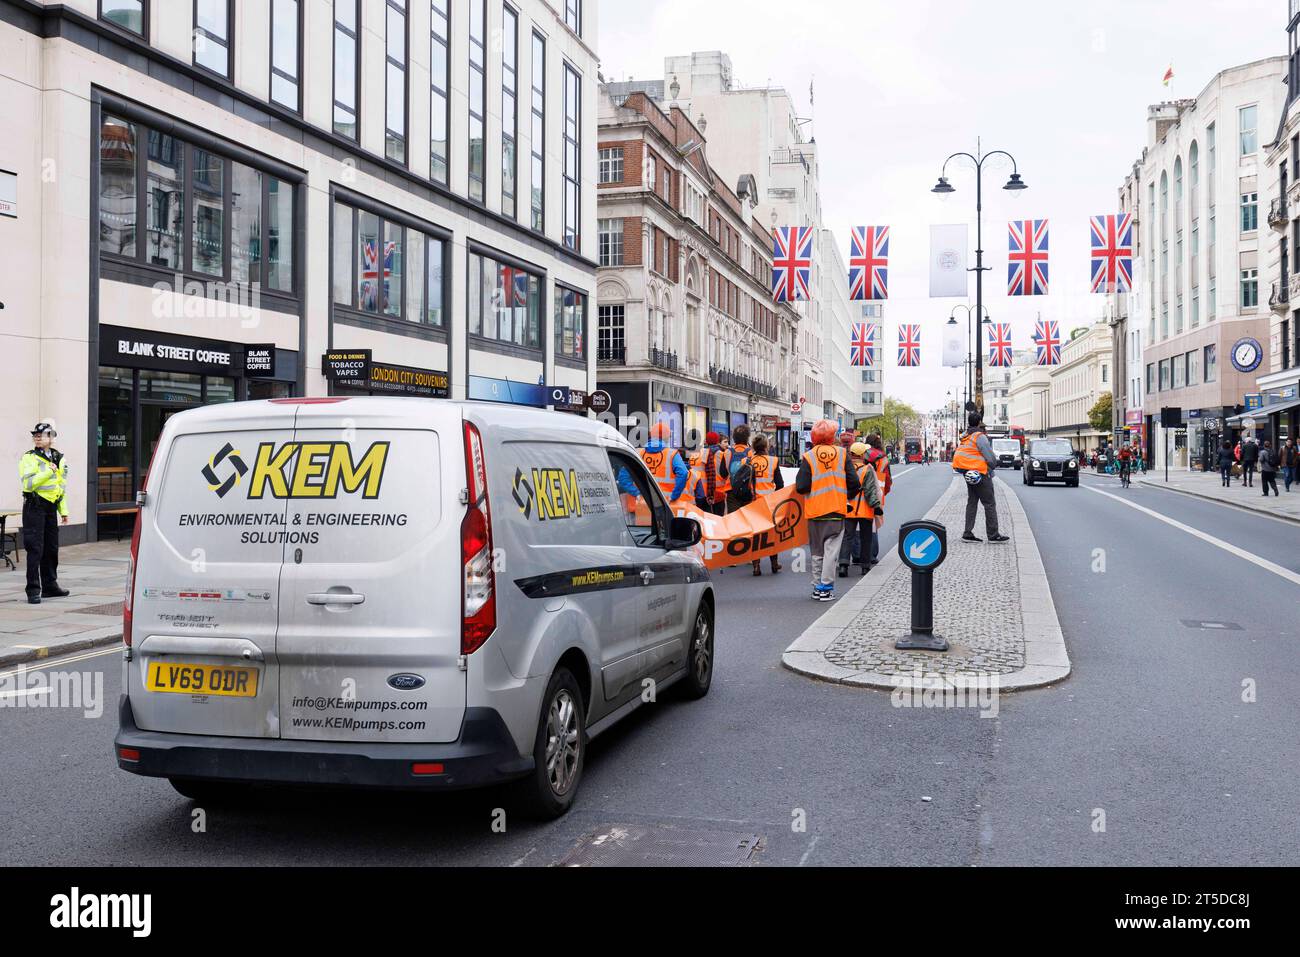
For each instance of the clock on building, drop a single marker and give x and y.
(1246, 355)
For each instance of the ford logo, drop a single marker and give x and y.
(405, 682)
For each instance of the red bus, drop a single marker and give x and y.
(913, 448)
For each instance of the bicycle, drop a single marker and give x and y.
(1125, 475)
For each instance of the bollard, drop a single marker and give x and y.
(923, 546)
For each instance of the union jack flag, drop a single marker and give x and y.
(1047, 339)
(791, 263)
(862, 345)
(370, 274)
(1027, 258)
(513, 288)
(999, 343)
(869, 263)
(1112, 253)
(909, 344)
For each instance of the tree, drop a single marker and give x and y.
(1100, 414)
(899, 419)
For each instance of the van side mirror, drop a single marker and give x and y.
(683, 533)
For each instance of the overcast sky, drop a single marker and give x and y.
(901, 84)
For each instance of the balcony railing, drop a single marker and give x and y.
(1280, 296)
(1277, 217)
(611, 355)
(744, 383)
(663, 360)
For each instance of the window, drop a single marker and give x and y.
(573, 15)
(286, 31)
(1193, 368)
(1180, 371)
(1105, 375)
(385, 268)
(213, 20)
(539, 135)
(509, 112)
(477, 95)
(1249, 288)
(570, 323)
(1164, 374)
(127, 14)
(1211, 363)
(1247, 121)
(439, 84)
(572, 157)
(610, 233)
(505, 302)
(1196, 306)
(239, 219)
(347, 66)
(609, 334)
(1150, 378)
(395, 80)
(611, 165)
(1249, 212)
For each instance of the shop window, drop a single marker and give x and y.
(279, 235)
(400, 277)
(165, 222)
(245, 224)
(504, 302)
(208, 204)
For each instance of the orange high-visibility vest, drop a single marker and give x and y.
(660, 465)
(764, 467)
(694, 479)
(829, 494)
(967, 457)
(882, 473)
(858, 507)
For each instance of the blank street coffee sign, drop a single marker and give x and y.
(259, 360)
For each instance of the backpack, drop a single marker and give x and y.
(741, 472)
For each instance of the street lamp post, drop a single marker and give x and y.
(943, 186)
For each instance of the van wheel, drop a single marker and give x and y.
(197, 789)
(559, 750)
(699, 656)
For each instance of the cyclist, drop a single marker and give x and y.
(1125, 465)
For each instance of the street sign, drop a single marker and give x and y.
(1254, 400)
(922, 546)
(565, 399)
(599, 401)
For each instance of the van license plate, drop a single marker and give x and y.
(180, 678)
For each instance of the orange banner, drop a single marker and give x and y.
(770, 524)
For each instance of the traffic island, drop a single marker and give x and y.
(991, 602)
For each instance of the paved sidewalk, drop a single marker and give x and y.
(992, 603)
(92, 615)
(1208, 485)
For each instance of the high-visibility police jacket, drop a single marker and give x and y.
(661, 465)
(764, 467)
(968, 457)
(46, 477)
(828, 492)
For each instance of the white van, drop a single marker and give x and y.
(395, 592)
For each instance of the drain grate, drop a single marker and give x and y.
(664, 845)
(1211, 625)
(112, 608)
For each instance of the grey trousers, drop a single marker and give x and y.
(824, 536)
(977, 495)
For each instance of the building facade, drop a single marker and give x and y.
(1202, 232)
(1029, 399)
(1077, 383)
(842, 401)
(872, 384)
(686, 328)
(221, 199)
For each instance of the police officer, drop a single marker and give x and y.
(43, 474)
(974, 457)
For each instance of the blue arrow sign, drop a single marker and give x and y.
(922, 547)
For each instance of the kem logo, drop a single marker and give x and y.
(316, 470)
(552, 492)
(238, 470)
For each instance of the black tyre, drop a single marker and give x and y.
(559, 751)
(1029, 481)
(213, 792)
(699, 656)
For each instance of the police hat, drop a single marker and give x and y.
(42, 427)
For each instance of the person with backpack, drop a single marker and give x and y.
(827, 482)
(712, 493)
(767, 479)
(862, 509)
(1268, 469)
(736, 471)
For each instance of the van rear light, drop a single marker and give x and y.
(128, 599)
(478, 600)
(426, 767)
(128, 754)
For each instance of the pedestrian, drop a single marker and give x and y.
(879, 461)
(1249, 461)
(974, 457)
(1227, 457)
(43, 474)
(827, 482)
(1289, 457)
(736, 472)
(665, 463)
(767, 479)
(1268, 468)
(715, 492)
(862, 509)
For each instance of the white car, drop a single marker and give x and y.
(400, 593)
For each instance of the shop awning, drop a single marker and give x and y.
(1263, 412)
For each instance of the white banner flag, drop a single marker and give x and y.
(948, 261)
(954, 344)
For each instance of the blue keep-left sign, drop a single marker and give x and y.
(923, 545)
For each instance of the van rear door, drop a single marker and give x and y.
(369, 641)
(207, 579)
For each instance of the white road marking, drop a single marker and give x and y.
(50, 662)
(1216, 542)
(811, 844)
(904, 472)
(25, 693)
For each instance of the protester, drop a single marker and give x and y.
(1227, 458)
(736, 472)
(767, 479)
(827, 482)
(714, 498)
(862, 509)
(878, 460)
(1289, 457)
(1268, 468)
(665, 463)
